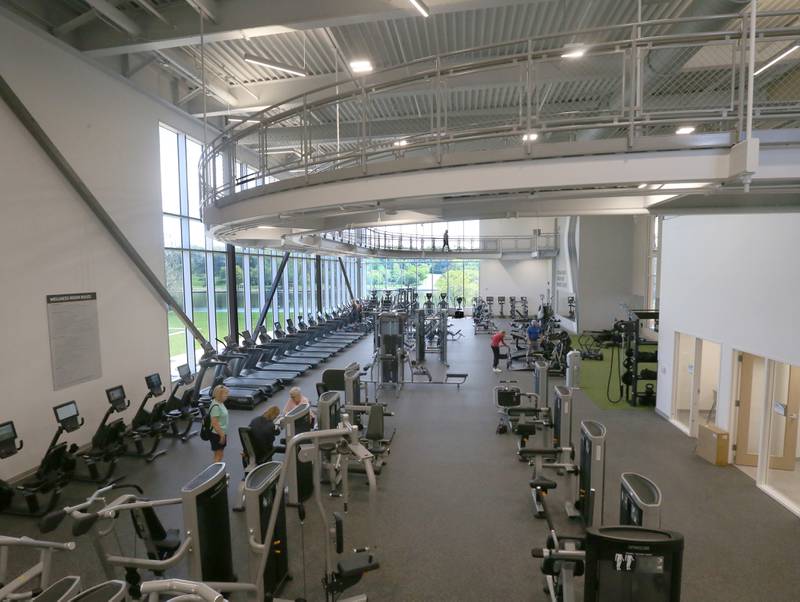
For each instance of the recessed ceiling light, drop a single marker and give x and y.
(641, 186)
(361, 66)
(265, 227)
(420, 6)
(530, 137)
(400, 143)
(781, 56)
(264, 61)
(685, 129)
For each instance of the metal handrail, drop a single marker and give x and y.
(377, 239)
(633, 114)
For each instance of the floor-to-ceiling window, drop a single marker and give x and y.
(454, 277)
(196, 268)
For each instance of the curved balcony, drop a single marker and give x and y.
(621, 89)
(375, 242)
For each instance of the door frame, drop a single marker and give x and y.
(693, 425)
(742, 410)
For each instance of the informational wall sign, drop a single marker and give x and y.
(561, 278)
(74, 338)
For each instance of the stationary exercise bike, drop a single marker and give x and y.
(42, 490)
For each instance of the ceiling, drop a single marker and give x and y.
(139, 37)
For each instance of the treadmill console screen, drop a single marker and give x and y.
(185, 373)
(8, 439)
(116, 397)
(65, 411)
(7, 432)
(153, 382)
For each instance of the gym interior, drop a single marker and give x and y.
(400, 300)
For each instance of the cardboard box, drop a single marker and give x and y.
(712, 444)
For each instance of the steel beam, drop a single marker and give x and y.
(238, 19)
(346, 279)
(116, 16)
(233, 300)
(318, 280)
(20, 110)
(271, 294)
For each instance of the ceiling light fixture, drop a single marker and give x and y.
(361, 66)
(684, 185)
(780, 57)
(574, 53)
(242, 120)
(271, 64)
(420, 6)
(530, 137)
(641, 186)
(400, 143)
(685, 129)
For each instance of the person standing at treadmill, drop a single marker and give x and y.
(219, 421)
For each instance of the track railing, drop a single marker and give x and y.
(631, 81)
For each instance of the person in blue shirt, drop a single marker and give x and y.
(533, 334)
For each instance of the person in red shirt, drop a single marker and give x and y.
(498, 339)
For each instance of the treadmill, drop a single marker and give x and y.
(314, 339)
(235, 378)
(275, 354)
(336, 325)
(252, 364)
(241, 397)
(296, 347)
(325, 334)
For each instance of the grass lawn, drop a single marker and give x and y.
(177, 333)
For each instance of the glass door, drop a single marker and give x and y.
(683, 391)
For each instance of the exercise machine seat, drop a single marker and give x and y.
(543, 483)
(355, 565)
(166, 541)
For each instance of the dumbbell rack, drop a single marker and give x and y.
(634, 396)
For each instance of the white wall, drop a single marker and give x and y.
(605, 260)
(524, 277)
(50, 243)
(732, 279)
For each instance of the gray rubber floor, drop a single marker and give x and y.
(454, 518)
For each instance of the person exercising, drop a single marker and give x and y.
(219, 421)
(498, 339)
(533, 333)
(296, 398)
(263, 432)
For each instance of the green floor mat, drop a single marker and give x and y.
(594, 381)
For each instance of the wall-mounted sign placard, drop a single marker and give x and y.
(74, 338)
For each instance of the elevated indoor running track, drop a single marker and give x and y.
(378, 242)
(527, 128)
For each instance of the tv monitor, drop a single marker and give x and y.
(116, 397)
(65, 411)
(153, 382)
(630, 564)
